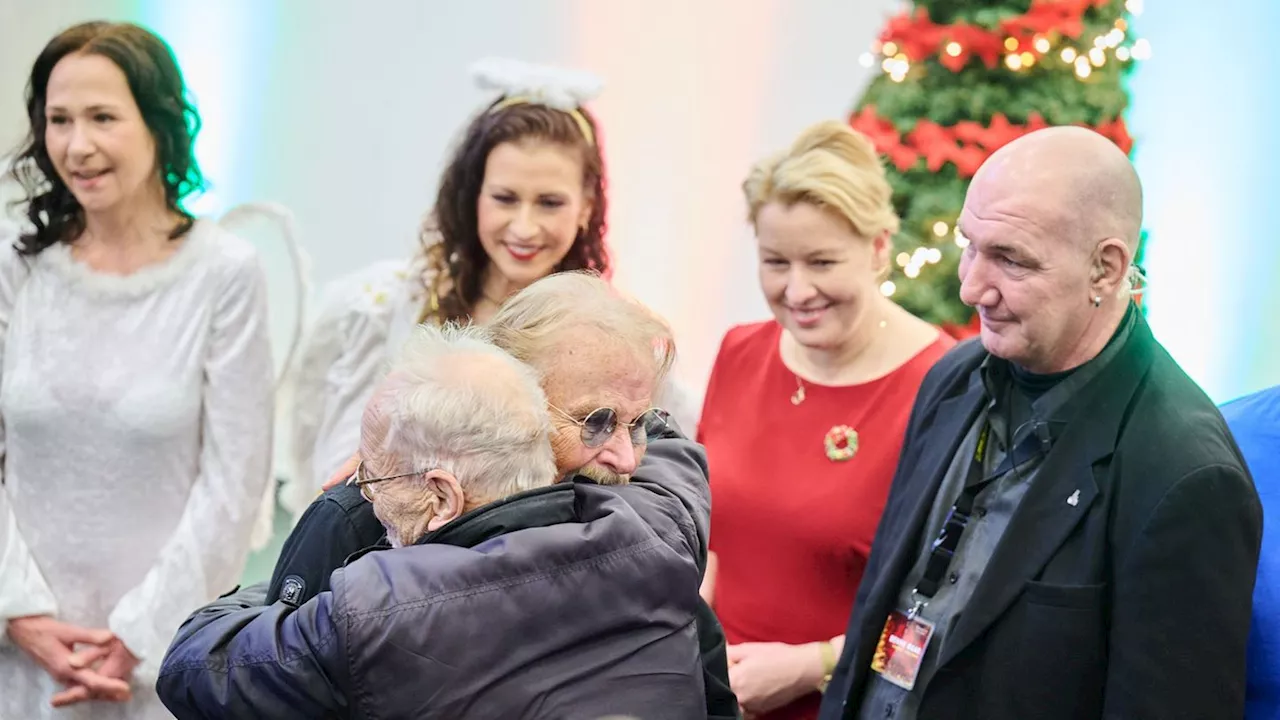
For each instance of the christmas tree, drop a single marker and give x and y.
(960, 79)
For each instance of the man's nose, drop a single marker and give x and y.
(975, 289)
(618, 453)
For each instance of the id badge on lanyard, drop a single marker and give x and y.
(900, 652)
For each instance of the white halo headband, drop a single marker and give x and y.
(525, 83)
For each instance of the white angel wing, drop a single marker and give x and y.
(277, 244)
(287, 323)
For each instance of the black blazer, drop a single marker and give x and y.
(1132, 603)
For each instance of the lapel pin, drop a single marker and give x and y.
(1074, 500)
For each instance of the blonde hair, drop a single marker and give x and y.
(833, 167)
(531, 324)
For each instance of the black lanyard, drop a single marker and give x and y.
(943, 549)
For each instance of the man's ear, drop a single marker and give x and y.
(1110, 267)
(450, 499)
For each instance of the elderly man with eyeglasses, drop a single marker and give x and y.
(506, 594)
(601, 358)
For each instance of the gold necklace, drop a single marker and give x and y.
(799, 395)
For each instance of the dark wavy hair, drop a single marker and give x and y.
(157, 86)
(449, 236)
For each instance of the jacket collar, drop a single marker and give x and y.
(540, 507)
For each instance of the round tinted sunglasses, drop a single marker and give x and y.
(600, 424)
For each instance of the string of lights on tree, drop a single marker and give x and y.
(960, 81)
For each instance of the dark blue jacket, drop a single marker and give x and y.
(1255, 422)
(340, 524)
(566, 601)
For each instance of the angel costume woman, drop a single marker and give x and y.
(523, 197)
(136, 394)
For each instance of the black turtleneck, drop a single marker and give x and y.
(1033, 385)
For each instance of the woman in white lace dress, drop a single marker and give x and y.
(135, 399)
(522, 197)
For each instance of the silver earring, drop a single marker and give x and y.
(1097, 301)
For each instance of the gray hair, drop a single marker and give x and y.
(532, 322)
(454, 401)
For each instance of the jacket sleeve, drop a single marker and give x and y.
(208, 548)
(672, 479)
(320, 543)
(236, 658)
(1182, 602)
(722, 703)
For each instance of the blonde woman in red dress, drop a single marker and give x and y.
(804, 417)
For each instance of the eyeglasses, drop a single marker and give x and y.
(359, 480)
(600, 424)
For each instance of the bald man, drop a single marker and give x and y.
(1071, 532)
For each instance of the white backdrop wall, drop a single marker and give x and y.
(344, 112)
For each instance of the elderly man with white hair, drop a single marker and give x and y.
(602, 358)
(505, 594)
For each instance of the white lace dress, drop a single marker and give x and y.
(363, 320)
(135, 424)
